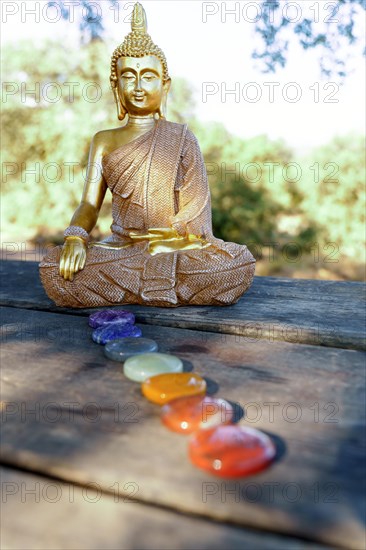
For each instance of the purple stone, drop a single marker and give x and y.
(104, 317)
(114, 331)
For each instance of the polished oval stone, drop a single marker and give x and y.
(120, 350)
(188, 414)
(163, 388)
(104, 317)
(148, 365)
(231, 451)
(114, 331)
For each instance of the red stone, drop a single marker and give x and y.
(231, 451)
(188, 414)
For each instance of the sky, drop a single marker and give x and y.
(212, 49)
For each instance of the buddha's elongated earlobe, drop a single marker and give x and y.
(121, 112)
(163, 105)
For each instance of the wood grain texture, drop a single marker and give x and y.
(320, 313)
(44, 514)
(69, 412)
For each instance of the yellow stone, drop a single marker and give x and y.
(163, 388)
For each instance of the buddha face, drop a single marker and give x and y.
(140, 85)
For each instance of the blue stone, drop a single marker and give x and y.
(120, 350)
(107, 316)
(114, 331)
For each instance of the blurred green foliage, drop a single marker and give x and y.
(258, 196)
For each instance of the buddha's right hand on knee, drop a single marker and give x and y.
(73, 257)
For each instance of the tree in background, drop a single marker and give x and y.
(328, 27)
(49, 131)
(333, 196)
(90, 23)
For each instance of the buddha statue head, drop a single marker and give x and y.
(139, 72)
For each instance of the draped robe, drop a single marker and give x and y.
(158, 180)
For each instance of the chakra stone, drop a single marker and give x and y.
(120, 350)
(163, 388)
(141, 367)
(104, 317)
(188, 414)
(231, 451)
(114, 331)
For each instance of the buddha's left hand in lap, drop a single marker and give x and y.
(73, 257)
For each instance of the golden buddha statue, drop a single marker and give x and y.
(161, 251)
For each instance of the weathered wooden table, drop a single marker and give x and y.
(86, 463)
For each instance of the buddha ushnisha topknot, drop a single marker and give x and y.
(137, 43)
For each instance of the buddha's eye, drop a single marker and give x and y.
(148, 77)
(128, 76)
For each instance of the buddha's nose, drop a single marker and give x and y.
(138, 87)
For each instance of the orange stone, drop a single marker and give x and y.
(163, 388)
(188, 414)
(231, 451)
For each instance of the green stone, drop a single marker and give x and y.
(142, 367)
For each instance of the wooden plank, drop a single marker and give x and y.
(69, 412)
(45, 514)
(326, 313)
